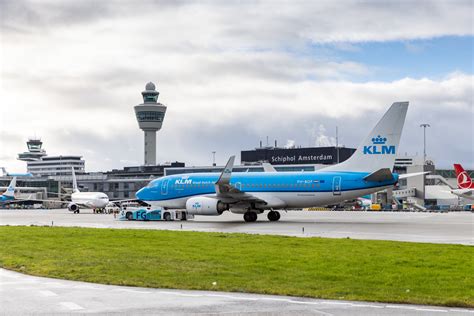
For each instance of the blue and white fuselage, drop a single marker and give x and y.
(5, 199)
(367, 171)
(272, 190)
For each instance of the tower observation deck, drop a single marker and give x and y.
(150, 115)
(35, 152)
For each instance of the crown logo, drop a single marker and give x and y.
(379, 140)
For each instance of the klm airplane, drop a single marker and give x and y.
(9, 195)
(367, 171)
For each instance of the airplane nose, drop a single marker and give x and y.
(140, 194)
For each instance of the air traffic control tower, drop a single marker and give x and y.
(150, 115)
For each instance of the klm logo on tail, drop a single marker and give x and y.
(379, 147)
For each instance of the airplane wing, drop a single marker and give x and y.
(230, 194)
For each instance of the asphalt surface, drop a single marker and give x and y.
(451, 228)
(24, 294)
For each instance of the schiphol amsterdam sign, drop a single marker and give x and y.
(297, 159)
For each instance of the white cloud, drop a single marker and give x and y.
(230, 74)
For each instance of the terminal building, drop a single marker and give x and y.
(39, 164)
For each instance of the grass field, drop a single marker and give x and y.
(382, 271)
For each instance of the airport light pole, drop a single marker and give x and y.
(337, 144)
(213, 158)
(424, 125)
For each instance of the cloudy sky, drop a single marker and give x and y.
(232, 73)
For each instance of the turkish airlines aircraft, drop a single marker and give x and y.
(465, 184)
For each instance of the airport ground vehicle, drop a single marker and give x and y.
(152, 214)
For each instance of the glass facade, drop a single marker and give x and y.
(150, 116)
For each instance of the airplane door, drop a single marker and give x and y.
(238, 185)
(164, 187)
(336, 185)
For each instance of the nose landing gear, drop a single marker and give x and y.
(273, 216)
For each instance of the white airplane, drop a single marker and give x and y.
(465, 185)
(85, 199)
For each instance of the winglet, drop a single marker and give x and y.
(227, 172)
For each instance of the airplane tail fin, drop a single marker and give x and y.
(74, 182)
(464, 180)
(10, 192)
(379, 148)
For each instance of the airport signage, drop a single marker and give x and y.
(296, 156)
(300, 159)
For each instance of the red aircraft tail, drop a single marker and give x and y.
(464, 180)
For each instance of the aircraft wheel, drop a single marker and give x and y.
(167, 216)
(129, 216)
(273, 216)
(250, 217)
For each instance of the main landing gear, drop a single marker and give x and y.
(250, 216)
(273, 216)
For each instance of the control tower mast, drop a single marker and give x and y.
(150, 115)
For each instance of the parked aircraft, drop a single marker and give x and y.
(10, 174)
(465, 184)
(85, 199)
(367, 171)
(9, 195)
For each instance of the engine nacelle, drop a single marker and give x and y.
(72, 207)
(205, 206)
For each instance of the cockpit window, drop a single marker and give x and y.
(151, 184)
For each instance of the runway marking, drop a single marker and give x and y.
(134, 291)
(181, 294)
(48, 293)
(462, 311)
(18, 282)
(399, 307)
(431, 310)
(71, 306)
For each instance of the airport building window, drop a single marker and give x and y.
(150, 116)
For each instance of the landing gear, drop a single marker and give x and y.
(273, 216)
(250, 216)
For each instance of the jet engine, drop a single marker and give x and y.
(205, 206)
(73, 207)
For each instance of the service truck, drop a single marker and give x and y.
(143, 213)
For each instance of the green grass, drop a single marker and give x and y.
(382, 271)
